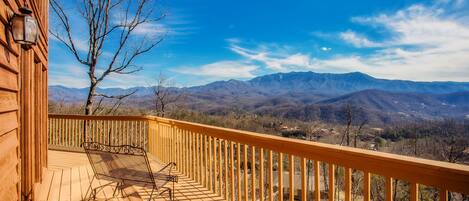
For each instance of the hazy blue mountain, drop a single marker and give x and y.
(309, 96)
(328, 83)
(407, 104)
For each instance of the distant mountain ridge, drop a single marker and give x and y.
(282, 94)
(351, 82)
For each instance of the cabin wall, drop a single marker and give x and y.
(23, 106)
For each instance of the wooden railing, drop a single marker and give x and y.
(67, 132)
(241, 165)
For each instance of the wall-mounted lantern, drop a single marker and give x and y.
(24, 28)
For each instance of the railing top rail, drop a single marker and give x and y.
(91, 117)
(430, 172)
(454, 177)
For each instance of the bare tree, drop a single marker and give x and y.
(453, 141)
(352, 121)
(164, 95)
(349, 114)
(112, 27)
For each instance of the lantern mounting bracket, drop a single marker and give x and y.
(25, 10)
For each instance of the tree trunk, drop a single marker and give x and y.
(89, 100)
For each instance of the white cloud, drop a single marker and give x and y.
(67, 75)
(80, 43)
(222, 69)
(151, 29)
(326, 49)
(75, 75)
(277, 61)
(357, 40)
(425, 44)
(422, 43)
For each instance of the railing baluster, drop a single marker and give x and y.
(317, 189)
(190, 152)
(215, 162)
(66, 128)
(72, 133)
(238, 169)
(291, 170)
(179, 145)
(199, 157)
(271, 176)
(280, 175)
(261, 174)
(77, 133)
(366, 186)
(443, 195)
(304, 188)
(245, 170)
(232, 182)
(331, 193)
(66, 132)
(414, 191)
(131, 133)
(226, 168)
(389, 190)
(182, 150)
(210, 164)
(220, 169)
(194, 155)
(253, 173)
(206, 181)
(50, 131)
(348, 184)
(187, 155)
(69, 132)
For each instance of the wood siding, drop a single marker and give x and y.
(23, 106)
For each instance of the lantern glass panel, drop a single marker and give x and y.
(17, 27)
(31, 30)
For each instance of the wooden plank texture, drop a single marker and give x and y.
(9, 80)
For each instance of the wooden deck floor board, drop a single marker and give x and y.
(65, 186)
(75, 193)
(45, 187)
(69, 174)
(54, 191)
(84, 180)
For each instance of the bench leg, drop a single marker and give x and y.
(118, 188)
(172, 197)
(151, 194)
(89, 188)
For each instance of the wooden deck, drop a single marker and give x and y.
(68, 177)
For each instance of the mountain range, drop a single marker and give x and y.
(309, 96)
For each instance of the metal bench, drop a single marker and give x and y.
(127, 166)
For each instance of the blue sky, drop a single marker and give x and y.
(220, 40)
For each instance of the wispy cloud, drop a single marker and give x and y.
(422, 43)
(425, 44)
(326, 49)
(75, 75)
(276, 61)
(357, 40)
(67, 75)
(221, 69)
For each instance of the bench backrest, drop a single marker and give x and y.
(121, 163)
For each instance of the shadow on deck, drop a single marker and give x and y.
(68, 177)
